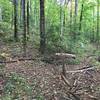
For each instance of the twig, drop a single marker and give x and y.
(74, 95)
(92, 97)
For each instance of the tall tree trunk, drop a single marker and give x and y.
(71, 16)
(64, 21)
(76, 13)
(76, 9)
(65, 16)
(35, 14)
(98, 4)
(21, 12)
(75, 18)
(61, 20)
(81, 17)
(93, 39)
(15, 20)
(12, 16)
(28, 17)
(12, 19)
(0, 14)
(42, 27)
(30, 13)
(24, 23)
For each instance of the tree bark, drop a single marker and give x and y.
(98, 22)
(71, 16)
(0, 13)
(75, 19)
(24, 24)
(76, 13)
(28, 17)
(61, 20)
(15, 20)
(76, 8)
(42, 27)
(81, 17)
(93, 37)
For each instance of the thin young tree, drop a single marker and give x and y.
(28, 17)
(0, 13)
(21, 13)
(15, 19)
(71, 7)
(76, 13)
(76, 10)
(35, 13)
(97, 35)
(75, 18)
(81, 17)
(60, 19)
(93, 13)
(24, 26)
(42, 27)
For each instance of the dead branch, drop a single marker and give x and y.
(93, 97)
(74, 95)
(65, 80)
(65, 55)
(79, 71)
(20, 59)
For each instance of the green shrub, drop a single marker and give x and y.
(4, 28)
(16, 87)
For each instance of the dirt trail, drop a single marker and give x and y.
(45, 78)
(48, 82)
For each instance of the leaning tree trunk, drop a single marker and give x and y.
(42, 27)
(15, 19)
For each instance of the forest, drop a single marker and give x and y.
(49, 49)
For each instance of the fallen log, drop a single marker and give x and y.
(20, 59)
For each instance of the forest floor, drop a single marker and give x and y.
(82, 82)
